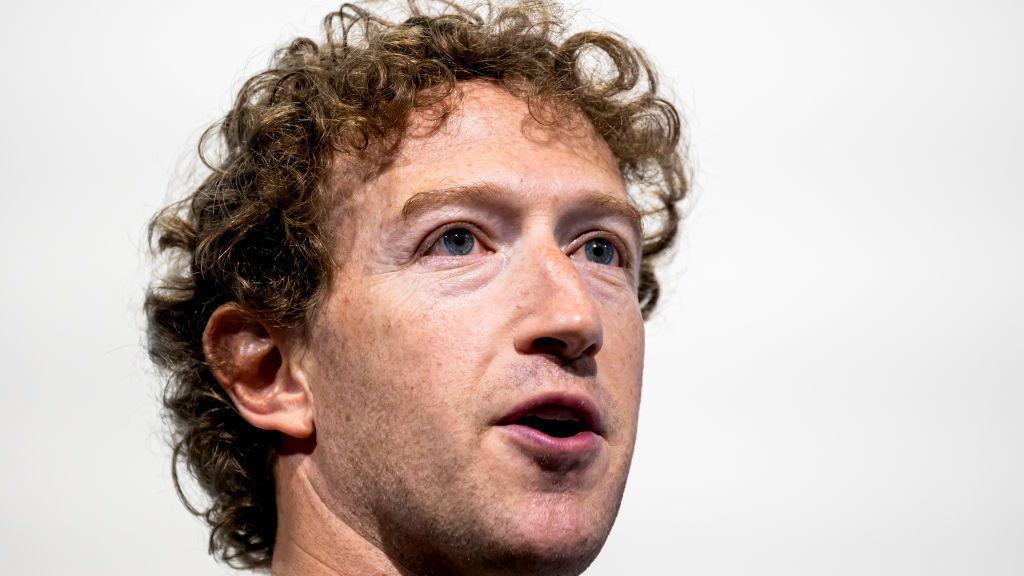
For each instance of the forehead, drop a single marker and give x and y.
(491, 137)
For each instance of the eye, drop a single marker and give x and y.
(600, 251)
(454, 242)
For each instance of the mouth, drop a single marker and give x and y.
(554, 421)
(555, 425)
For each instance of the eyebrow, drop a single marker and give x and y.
(486, 193)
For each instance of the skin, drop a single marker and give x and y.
(392, 462)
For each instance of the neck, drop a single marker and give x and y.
(313, 541)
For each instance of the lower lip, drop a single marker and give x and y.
(544, 445)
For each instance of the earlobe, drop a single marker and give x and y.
(252, 363)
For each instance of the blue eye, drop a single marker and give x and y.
(599, 250)
(458, 241)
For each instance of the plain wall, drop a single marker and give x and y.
(834, 380)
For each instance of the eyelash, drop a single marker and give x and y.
(625, 260)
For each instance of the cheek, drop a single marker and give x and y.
(622, 359)
(399, 363)
(446, 354)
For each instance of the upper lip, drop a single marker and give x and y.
(585, 407)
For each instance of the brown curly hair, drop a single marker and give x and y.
(254, 231)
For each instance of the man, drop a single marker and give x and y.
(403, 318)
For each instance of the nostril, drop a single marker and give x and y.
(591, 350)
(548, 344)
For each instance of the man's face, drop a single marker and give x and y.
(476, 369)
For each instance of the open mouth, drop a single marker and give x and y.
(562, 431)
(554, 420)
(556, 416)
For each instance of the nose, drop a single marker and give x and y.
(559, 316)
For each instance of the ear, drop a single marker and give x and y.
(251, 362)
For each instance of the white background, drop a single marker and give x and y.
(834, 382)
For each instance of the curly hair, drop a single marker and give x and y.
(254, 231)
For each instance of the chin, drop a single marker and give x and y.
(552, 538)
(539, 542)
(562, 558)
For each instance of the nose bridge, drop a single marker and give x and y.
(559, 314)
